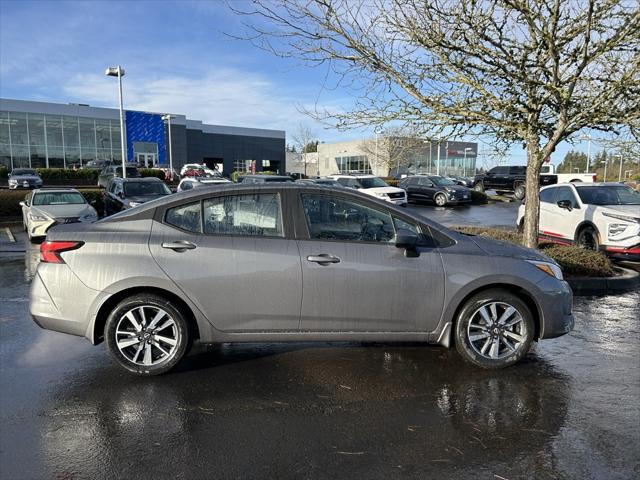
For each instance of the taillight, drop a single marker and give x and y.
(50, 251)
(595, 178)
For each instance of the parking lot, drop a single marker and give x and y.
(321, 410)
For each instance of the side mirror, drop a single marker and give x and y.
(566, 204)
(408, 240)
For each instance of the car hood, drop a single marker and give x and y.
(497, 248)
(58, 211)
(457, 188)
(22, 178)
(383, 190)
(632, 210)
(145, 198)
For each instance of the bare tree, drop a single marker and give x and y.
(305, 140)
(533, 72)
(393, 147)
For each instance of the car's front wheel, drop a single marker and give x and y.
(479, 187)
(440, 199)
(494, 329)
(588, 238)
(147, 334)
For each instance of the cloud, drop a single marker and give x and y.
(225, 97)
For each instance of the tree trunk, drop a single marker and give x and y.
(532, 198)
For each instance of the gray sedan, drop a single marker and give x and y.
(24, 178)
(291, 262)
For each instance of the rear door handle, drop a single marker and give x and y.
(179, 246)
(323, 259)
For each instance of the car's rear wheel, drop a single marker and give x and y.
(479, 187)
(519, 192)
(494, 329)
(588, 238)
(440, 199)
(147, 334)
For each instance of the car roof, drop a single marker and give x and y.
(265, 176)
(136, 179)
(55, 190)
(586, 185)
(354, 175)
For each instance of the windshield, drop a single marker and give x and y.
(23, 171)
(141, 189)
(58, 198)
(441, 181)
(372, 182)
(608, 195)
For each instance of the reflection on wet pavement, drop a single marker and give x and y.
(321, 410)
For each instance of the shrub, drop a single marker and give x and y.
(152, 172)
(478, 198)
(236, 174)
(10, 201)
(68, 174)
(574, 261)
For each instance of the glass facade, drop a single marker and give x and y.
(354, 164)
(37, 140)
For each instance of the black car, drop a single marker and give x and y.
(432, 188)
(125, 193)
(245, 179)
(112, 171)
(24, 178)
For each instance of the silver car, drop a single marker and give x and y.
(42, 209)
(291, 262)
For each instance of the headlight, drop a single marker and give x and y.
(37, 218)
(134, 204)
(616, 229)
(13, 182)
(625, 218)
(450, 190)
(381, 195)
(548, 268)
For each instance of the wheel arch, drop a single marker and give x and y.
(520, 292)
(109, 304)
(582, 225)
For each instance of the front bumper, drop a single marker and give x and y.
(631, 254)
(555, 304)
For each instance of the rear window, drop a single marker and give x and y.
(58, 198)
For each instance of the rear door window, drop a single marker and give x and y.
(247, 215)
(186, 217)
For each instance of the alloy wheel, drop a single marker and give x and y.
(147, 335)
(496, 331)
(440, 200)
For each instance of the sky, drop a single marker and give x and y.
(177, 59)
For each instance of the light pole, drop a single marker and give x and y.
(438, 158)
(606, 161)
(464, 165)
(619, 174)
(587, 137)
(119, 72)
(377, 130)
(168, 118)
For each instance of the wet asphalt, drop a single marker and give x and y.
(320, 410)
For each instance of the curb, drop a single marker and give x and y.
(583, 286)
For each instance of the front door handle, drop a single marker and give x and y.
(179, 246)
(323, 259)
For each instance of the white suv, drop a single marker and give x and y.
(374, 186)
(598, 216)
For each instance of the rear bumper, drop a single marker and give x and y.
(556, 308)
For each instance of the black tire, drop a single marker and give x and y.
(440, 199)
(519, 192)
(476, 351)
(588, 238)
(479, 187)
(178, 332)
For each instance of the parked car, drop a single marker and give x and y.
(511, 179)
(372, 185)
(187, 183)
(42, 209)
(246, 179)
(196, 169)
(97, 164)
(24, 178)
(462, 181)
(258, 263)
(113, 171)
(597, 216)
(432, 188)
(125, 193)
(324, 182)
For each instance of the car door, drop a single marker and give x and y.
(234, 257)
(565, 221)
(548, 222)
(355, 278)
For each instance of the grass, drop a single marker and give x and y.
(574, 261)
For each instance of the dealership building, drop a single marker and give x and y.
(446, 158)
(53, 135)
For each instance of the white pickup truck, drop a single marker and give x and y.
(548, 169)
